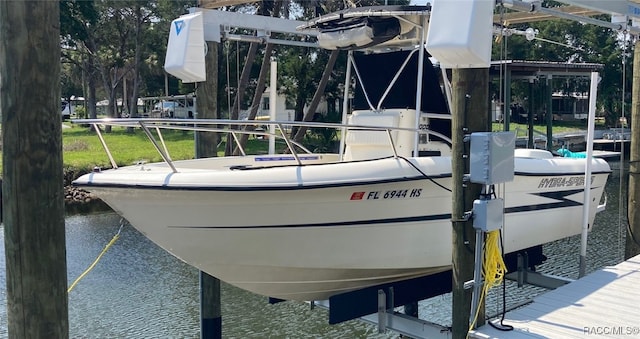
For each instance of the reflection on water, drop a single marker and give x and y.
(140, 291)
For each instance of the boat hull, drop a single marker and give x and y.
(335, 227)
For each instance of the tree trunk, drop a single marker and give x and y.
(242, 86)
(133, 101)
(90, 63)
(257, 96)
(311, 110)
(91, 95)
(133, 105)
(34, 225)
(262, 78)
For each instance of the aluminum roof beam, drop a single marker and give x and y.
(622, 7)
(526, 17)
(223, 3)
(218, 25)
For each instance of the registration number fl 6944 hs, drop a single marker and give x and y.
(390, 194)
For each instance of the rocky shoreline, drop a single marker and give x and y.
(74, 195)
(77, 200)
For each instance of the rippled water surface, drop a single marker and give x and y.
(140, 291)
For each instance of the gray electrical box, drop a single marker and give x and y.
(491, 158)
(487, 214)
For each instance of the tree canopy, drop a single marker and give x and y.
(115, 50)
(561, 40)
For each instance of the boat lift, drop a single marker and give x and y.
(219, 25)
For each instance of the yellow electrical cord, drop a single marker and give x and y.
(493, 268)
(113, 240)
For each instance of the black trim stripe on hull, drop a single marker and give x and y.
(331, 224)
(560, 196)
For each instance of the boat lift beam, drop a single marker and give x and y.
(613, 7)
(218, 25)
(524, 275)
(399, 323)
(622, 7)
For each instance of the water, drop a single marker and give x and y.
(140, 291)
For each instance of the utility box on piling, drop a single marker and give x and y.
(491, 158)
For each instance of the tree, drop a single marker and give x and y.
(116, 43)
(75, 18)
(578, 42)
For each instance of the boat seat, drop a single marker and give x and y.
(368, 144)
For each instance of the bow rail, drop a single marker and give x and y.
(232, 127)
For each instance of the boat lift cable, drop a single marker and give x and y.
(506, 112)
(228, 77)
(95, 262)
(621, 169)
(503, 56)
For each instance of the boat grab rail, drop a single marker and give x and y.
(214, 125)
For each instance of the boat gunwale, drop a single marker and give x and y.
(173, 187)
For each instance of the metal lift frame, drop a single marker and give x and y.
(218, 26)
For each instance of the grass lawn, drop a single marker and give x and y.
(82, 148)
(558, 127)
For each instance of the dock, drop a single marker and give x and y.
(611, 145)
(603, 304)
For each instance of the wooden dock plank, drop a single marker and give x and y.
(603, 304)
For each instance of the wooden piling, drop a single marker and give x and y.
(470, 113)
(210, 307)
(32, 185)
(207, 103)
(632, 247)
(206, 146)
(549, 116)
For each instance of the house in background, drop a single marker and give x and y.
(285, 109)
(103, 105)
(570, 106)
